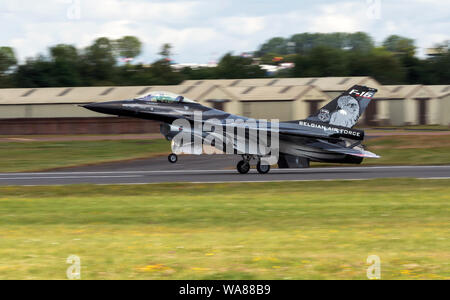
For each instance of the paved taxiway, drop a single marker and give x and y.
(208, 169)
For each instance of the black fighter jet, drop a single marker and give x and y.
(327, 136)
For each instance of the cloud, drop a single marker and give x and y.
(343, 17)
(242, 25)
(202, 31)
(138, 10)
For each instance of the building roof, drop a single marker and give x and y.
(410, 91)
(240, 89)
(440, 91)
(66, 95)
(79, 95)
(218, 82)
(324, 83)
(329, 84)
(270, 93)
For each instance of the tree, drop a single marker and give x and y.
(166, 51)
(129, 47)
(359, 63)
(36, 72)
(400, 45)
(305, 42)
(234, 67)
(321, 61)
(360, 41)
(199, 73)
(274, 45)
(98, 62)
(268, 58)
(413, 68)
(65, 65)
(438, 69)
(64, 52)
(135, 75)
(7, 59)
(164, 74)
(332, 54)
(385, 67)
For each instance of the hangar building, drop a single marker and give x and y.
(56, 110)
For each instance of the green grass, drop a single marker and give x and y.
(313, 230)
(435, 156)
(33, 156)
(410, 150)
(414, 127)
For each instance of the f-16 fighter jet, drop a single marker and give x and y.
(327, 136)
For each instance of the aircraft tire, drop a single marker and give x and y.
(173, 158)
(262, 169)
(243, 167)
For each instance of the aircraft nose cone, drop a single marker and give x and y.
(103, 107)
(89, 106)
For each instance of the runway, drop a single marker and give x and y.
(209, 170)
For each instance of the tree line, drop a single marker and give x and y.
(345, 54)
(110, 62)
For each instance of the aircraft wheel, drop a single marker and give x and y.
(262, 169)
(173, 158)
(243, 167)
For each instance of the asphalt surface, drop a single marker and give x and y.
(202, 169)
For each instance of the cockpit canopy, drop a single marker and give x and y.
(164, 97)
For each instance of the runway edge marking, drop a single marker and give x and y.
(221, 182)
(224, 170)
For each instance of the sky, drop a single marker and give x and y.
(201, 31)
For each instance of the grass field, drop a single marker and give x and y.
(410, 127)
(407, 150)
(310, 230)
(35, 156)
(410, 150)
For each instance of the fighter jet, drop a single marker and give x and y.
(327, 136)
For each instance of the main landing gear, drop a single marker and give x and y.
(243, 166)
(173, 158)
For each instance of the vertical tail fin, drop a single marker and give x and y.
(346, 109)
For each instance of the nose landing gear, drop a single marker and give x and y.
(173, 158)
